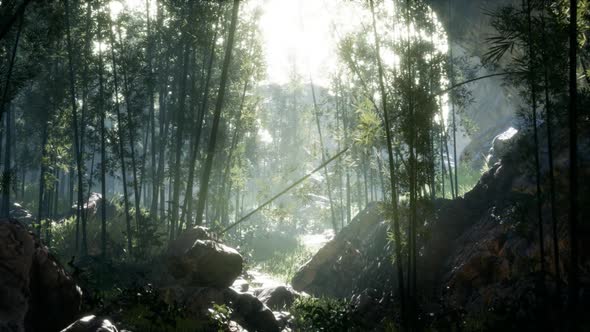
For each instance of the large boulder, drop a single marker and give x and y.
(334, 268)
(203, 263)
(16, 258)
(21, 214)
(187, 238)
(36, 293)
(55, 298)
(253, 314)
(91, 323)
(500, 145)
(277, 298)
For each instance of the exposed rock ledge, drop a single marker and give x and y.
(476, 252)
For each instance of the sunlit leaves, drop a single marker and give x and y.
(369, 129)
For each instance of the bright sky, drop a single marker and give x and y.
(298, 34)
(305, 32)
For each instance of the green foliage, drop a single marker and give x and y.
(145, 310)
(321, 314)
(369, 130)
(283, 265)
(467, 178)
(220, 314)
(148, 239)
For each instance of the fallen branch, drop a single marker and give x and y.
(336, 156)
(474, 80)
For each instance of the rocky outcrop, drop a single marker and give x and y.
(203, 269)
(334, 269)
(476, 253)
(21, 214)
(187, 239)
(36, 294)
(91, 323)
(493, 105)
(500, 146)
(204, 263)
(277, 298)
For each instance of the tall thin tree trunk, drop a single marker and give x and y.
(442, 159)
(454, 192)
(389, 140)
(152, 108)
(131, 131)
(186, 64)
(77, 150)
(121, 142)
(11, 65)
(573, 123)
(549, 127)
(348, 188)
(204, 185)
(81, 149)
(164, 129)
(199, 128)
(536, 138)
(413, 182)
(103, 152)
(42, 181)
(7, 175)
(53, 208)
(233, 145)
(452, 80)
(323, 151)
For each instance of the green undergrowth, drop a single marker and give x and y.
(148, 237)
(467, 178)
(321, 314)
(284, 264)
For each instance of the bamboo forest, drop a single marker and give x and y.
(294, 165)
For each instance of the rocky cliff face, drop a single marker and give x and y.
(477, 253)
(494, 105)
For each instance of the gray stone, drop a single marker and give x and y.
(277, 298)
(254, 315)
(91, 323)
(206, 264)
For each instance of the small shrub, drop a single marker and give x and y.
(143, 309)
(321, 314)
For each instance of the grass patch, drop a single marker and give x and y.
(284, 265)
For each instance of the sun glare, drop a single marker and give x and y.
(116, 7)
(301, 36)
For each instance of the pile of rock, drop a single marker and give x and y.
(36, 293)
(201, 271)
